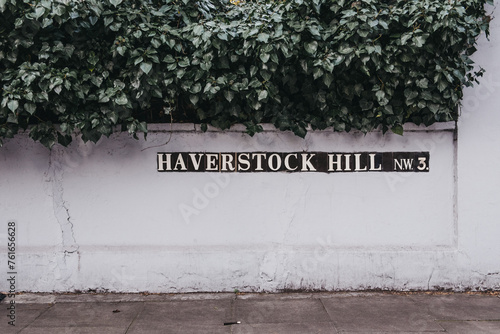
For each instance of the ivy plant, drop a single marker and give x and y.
(70, 67)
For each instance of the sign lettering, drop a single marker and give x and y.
(292, 162)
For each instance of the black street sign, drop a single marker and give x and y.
(292, 162)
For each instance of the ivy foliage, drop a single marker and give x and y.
(87, 66)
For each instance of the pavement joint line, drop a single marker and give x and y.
(332, 322)
(136, 316)
(41, 313)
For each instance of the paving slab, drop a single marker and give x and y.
(25, 315)
(471, 327)
(87, 315)
(252, 311)
(460, 306)
(385, 313)
(173, 315)
(292, 328)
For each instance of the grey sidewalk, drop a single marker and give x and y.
(258, 313)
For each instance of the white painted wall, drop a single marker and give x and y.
(101, 216)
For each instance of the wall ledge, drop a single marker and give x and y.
(191, 127)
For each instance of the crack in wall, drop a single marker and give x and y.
(61, 211)
(486, 276)
(65, 262)
(429, 280)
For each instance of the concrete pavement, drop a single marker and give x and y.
(291, 313)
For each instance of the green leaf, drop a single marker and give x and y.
(311, 47)
(253, 31)
(180, 73)
(423, 83)
(121, 100)
(169, 59)
(222, 36)
(13, 105)
(327, 79)
(194, 99)
(30, 108)
(146, 67)
(39, 11)
(229, 95)
(338, 60)
(12, 118)
(405, 38)
(47, 22)
(262, 95)
(434, 108)
(264, 57)
(64, 140)
(184, 62)
(108, 20)
(420, 40)
(198, 30)
(317, 73)
(380, 95)
(397, 129)
(314, 30)
(410, 94)
(143, 127)
(113, 116)
(263, 37)
(255, 83)
(442, 85)
(138, 60)
(196, 88)
(253, 70)
(121, 50)
(345, 49)
(115, 2)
